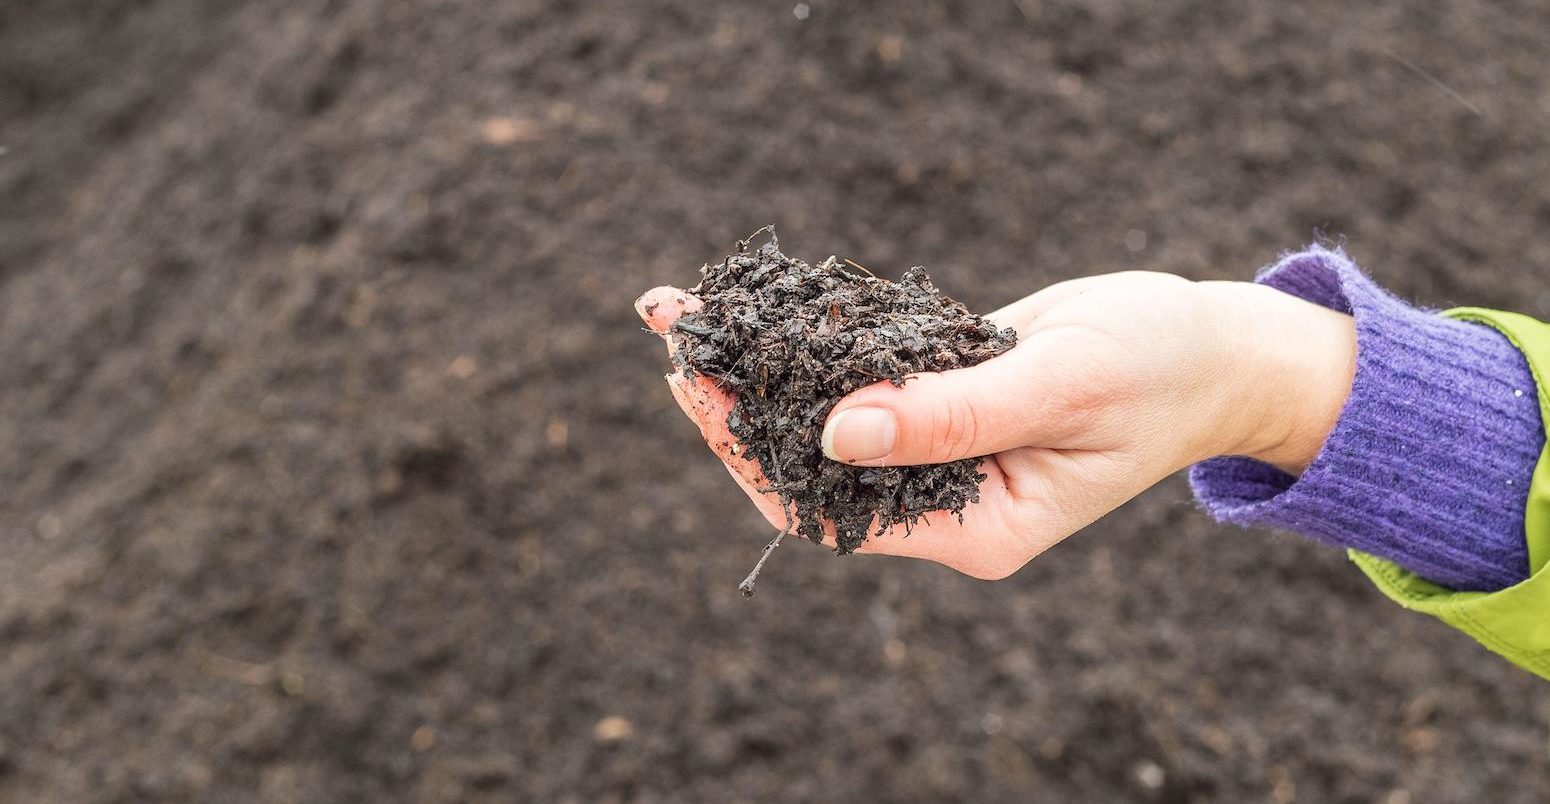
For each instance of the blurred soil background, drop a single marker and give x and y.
(335, 467)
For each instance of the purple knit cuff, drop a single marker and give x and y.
(1430, 462)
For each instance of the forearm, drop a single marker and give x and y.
(1429, 460)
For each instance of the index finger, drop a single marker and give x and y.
(661, 306)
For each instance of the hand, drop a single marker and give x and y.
(1117, 381)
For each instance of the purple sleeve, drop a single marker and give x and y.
(1430, 462)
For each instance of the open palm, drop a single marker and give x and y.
(1117, 381)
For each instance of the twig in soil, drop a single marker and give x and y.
(768, 228)
(746, 587)
(852, 263)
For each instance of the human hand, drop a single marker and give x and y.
(1117, 381)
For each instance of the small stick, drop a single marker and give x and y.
(746, 587)
(852, 263)
(769, 228)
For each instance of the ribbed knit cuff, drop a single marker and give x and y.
(1430, 462)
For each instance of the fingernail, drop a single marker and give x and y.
(860, 434)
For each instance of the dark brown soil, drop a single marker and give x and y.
(333, 465)
(788, 340)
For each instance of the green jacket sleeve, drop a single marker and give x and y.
(1514, 622)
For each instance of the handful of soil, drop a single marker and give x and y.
(789, 340)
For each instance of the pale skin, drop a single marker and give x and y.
(1117, 382)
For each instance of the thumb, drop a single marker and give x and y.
(937, 417)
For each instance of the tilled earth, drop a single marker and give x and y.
(334, 465)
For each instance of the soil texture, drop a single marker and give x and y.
(789, 340)
(334, 466)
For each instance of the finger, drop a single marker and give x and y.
(701, 399)
(708, 406)
(945, 416)
(661, 306)
(1021, 313)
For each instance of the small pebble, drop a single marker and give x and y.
(1150, 775)
(462, 367)
(613, 729)
(508, 130)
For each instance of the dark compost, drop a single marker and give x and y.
(790, 340)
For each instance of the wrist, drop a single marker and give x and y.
(1289, 373)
